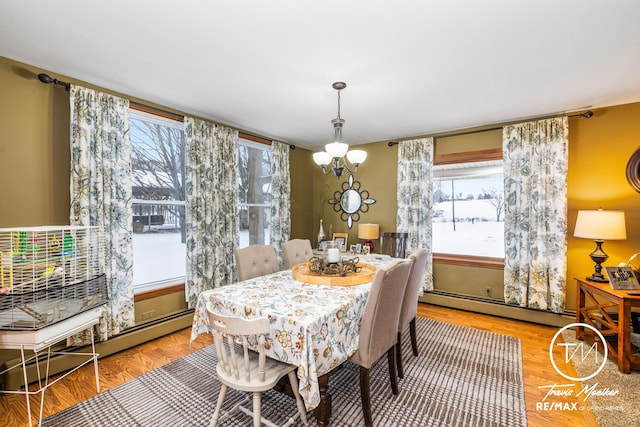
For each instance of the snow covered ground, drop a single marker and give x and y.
(160, 255)
(482, 236)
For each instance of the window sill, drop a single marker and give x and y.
(469, 261)
(141, 296)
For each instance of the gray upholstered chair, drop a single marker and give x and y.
(246, 370)
(410, 305)
(379, 327)
(296, 251)
(256, 260)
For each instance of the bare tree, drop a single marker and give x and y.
(157, 158)
(496, 199)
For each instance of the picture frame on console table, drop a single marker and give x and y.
(342, 238)
(622, 278)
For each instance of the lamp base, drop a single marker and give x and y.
(369, 244)
(598, 256)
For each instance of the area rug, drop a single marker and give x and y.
(462, 377)
(618, 409)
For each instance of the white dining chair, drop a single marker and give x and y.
(249, 371)
(409, 309)
(256, 260)
(296, 251)
(379, 327)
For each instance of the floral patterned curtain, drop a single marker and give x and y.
(101, 195)
(535, 180)
(211, 167)
(280, 196)
(415, 198)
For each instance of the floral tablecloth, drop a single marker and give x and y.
(315, 327)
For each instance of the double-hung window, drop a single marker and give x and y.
(468, 209)
(157, 159)
(254, 192)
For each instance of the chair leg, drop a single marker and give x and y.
(256, 409)
(399, 355)
(414, 339)
(216, 413)
(391, 358)
(294, 387)
(365, 396)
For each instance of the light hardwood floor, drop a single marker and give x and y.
(117, 369)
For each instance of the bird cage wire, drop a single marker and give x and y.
(48, 274)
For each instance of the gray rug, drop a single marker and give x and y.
(463, 377)
(616, 410)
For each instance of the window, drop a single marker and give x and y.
(468, 209)
(157, 160)
(255, 192)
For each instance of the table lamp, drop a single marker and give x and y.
(368, 232)
(600, 225)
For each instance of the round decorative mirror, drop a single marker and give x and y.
(350, 201)
(633, 170)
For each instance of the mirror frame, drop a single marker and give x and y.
(633, 170)
(353, 215)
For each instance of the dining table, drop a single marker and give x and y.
(315, 327)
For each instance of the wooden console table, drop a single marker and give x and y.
(596, 304)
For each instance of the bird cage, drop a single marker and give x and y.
(48, 274)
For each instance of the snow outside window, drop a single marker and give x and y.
(468, 209)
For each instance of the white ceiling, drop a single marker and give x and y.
(411, 67)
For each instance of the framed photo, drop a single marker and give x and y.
(622, 278)
(365, 250)
(342, 238)
(353, 249)
(358, 248)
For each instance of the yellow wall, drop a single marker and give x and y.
(34, 177)
(34, 149)
(599, 149)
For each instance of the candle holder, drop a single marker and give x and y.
(342, 268)
(332, 252)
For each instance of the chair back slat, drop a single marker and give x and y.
(244, 370)
(239, 332)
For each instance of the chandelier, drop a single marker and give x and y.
(336, 151)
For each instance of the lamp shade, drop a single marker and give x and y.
(368, 231)
(357, 157)
(336, 149)
(322, 158)
(601, 225)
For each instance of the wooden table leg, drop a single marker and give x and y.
(624, 336)
(323, 410)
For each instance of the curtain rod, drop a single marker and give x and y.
(45, 78)
(586, 115)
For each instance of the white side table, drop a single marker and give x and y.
(43, 339)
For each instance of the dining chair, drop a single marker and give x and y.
(256, 260)
(296, 251)
(394, 243)
(409, 309)
(249, 371)
(379, 327)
